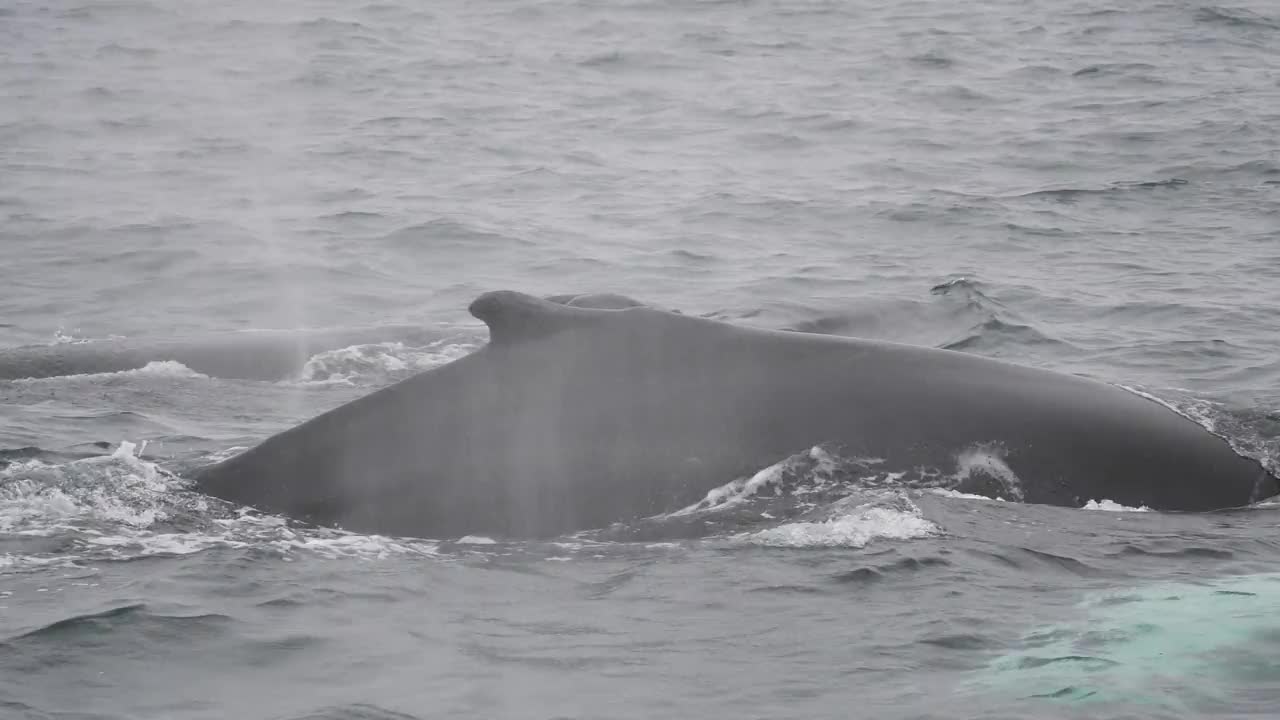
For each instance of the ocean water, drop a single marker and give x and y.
(220, 219)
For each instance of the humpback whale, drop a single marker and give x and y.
(580, 413)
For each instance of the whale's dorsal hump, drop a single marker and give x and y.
(598, 301)
(514, 316)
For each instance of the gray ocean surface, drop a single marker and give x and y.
(190, 189)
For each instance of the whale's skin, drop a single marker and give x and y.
(578, 417)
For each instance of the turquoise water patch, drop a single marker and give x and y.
(1181, 646)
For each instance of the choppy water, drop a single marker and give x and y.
(1084, 186)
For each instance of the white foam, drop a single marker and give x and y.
(476, 540)
(62, 337)
(943, 492)
(852, 530)
(263, 532)
(155, 368)
(143, 544)
(251, 528)
(109, 507)
(340, 544)
(38, 498)
(165, 368)
(13, 563)
(341, 366)
(1111, 506)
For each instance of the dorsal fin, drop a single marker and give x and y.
(513, 316)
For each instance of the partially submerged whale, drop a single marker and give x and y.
(577, 417)
(252, 355)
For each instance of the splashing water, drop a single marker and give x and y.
(120, 506)
(378, 361)
(892, 518)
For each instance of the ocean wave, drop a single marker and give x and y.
(1104, 69)
(995, 334)
(125, 618)
(994, 327)
(932, 60)
(876, 572)
(1069, 194)
(960, 315)
(1236, 17)
(436, 235)
(358, 711)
